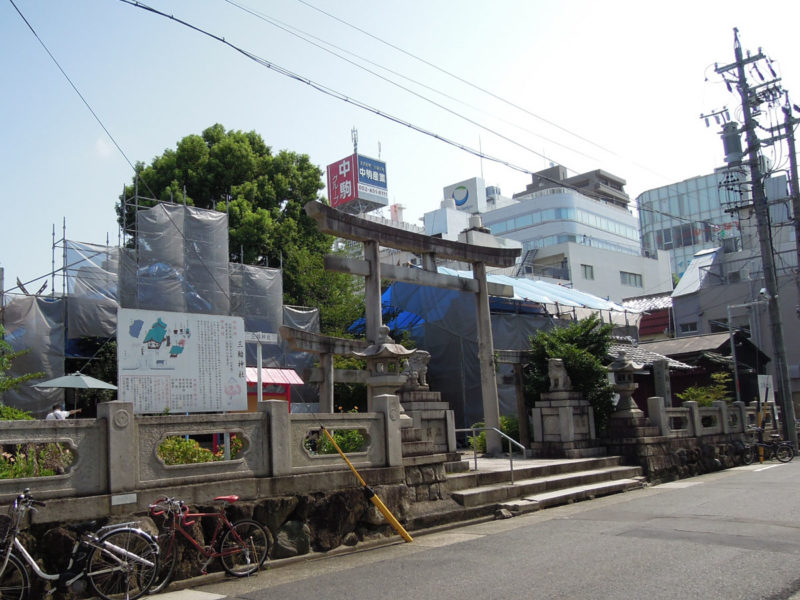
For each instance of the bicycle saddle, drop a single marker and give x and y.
(229, 499)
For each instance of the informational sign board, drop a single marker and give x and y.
(180, 362)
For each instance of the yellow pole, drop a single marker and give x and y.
(371, 494)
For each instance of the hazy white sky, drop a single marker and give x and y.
(613, 85)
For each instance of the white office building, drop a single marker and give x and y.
(577, 231)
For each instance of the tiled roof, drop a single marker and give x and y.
(646, 357)
(689, 344)
(649, 303)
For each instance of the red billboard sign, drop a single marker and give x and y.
(343, 181)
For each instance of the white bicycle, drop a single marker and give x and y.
(119, 561)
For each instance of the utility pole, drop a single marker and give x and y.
(789, 123)
(751, 98)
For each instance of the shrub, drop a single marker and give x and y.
(35, 460)
(179, 450)
(508, 425)
(9, 413)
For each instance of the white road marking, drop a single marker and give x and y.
(187, 595)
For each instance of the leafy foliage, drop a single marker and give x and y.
(9, 413)
(508, 425)
(178, 450)
(583, 346)
(7, 357)
(264, 194)
(349, 440)
(35, 460)
(705, 395)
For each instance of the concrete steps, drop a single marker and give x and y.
(524, 488)
(537, 485)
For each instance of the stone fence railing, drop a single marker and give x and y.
(115, 455)
(692, 420)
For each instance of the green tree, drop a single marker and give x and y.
(7, 357)
(583, 345)
(264, 194)
(705, 395)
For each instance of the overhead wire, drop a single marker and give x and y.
(110, 136)
(453, 75)
(303, 35)
(474, 85)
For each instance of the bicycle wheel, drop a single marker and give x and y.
(748, 454)
(14, 582)
(784, 452)
(244, 548)
(124, 565)
(167, 557)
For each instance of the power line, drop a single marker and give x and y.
(328, 91)
(303, 35)
(456, 77)
(74, 87)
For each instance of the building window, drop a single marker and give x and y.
(689, 327)
(587, 271)
(630, 279)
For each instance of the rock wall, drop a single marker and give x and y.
(667, 459)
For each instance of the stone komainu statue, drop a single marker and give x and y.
(559, 380)
(416, 367)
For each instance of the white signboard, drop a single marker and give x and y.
(180, 362)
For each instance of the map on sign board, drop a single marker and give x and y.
(180, 362)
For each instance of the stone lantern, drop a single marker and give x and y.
(624, 370)
(384, 365)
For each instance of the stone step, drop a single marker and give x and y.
(460, 481)
(427, 459)
(570, 494)
(417, 448)
(458, 466)
(503, 492)
(412, 434)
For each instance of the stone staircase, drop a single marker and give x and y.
(538, 484)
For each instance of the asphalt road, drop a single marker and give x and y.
(729, 535)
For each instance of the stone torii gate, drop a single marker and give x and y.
(373, 235)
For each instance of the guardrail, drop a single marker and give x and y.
(502, 435)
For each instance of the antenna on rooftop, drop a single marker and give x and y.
(354, 137)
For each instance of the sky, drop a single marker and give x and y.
(611, 85)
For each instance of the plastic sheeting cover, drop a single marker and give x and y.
(181, 262)
(35, 324)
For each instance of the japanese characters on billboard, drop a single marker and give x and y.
(342, 186)
(358, 178)
(180, 362)
(372, 180)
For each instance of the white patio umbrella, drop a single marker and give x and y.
(78, 381)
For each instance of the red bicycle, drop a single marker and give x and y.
(242, 547)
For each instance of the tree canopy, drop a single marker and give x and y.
(263, 194)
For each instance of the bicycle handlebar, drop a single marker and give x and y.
(26, 501)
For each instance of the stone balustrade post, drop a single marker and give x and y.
(123, 451)
(694, 417)
(722, 408)
(658, 414)
(279, 436)
(389, 406)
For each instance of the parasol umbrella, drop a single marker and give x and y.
(76, 380)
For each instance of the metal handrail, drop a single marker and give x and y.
(510, 451)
